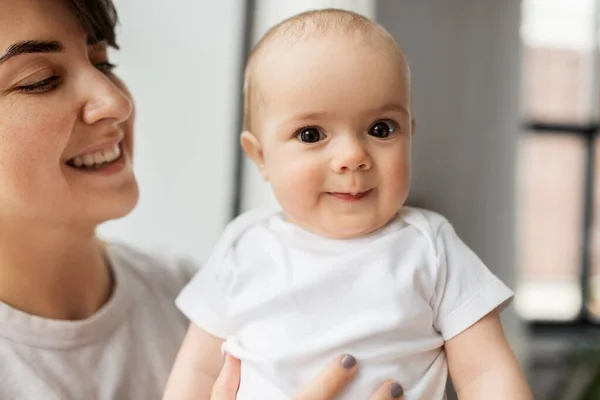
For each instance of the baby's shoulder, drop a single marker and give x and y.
(246, 227)
(248, 220)
(426, 222)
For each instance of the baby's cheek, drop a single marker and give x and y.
(397, 178)
(297, 187)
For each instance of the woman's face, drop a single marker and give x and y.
(66, 121)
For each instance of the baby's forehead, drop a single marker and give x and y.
(288, 37)
(309, 36)
(323, 24)
(285, 56)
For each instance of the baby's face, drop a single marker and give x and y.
(335, 128)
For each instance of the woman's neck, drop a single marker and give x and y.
(52, 272)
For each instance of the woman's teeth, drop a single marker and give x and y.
(96, 159)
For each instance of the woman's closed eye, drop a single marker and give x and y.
(52, 82)
(41, 86)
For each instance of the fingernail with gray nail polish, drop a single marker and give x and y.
(348, 361)
(396, 390)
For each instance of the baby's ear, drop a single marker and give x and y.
(253, 149)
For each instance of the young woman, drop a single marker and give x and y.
(80, 319)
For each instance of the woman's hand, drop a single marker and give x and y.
(326, 386)
(226, 385)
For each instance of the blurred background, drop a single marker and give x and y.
(506, 97)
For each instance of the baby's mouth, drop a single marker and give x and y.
(350, 197)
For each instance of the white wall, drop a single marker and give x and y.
(267, 13)
(181, 61)
(465, 59)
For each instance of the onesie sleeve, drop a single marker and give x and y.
(465, 290)
(204, 300)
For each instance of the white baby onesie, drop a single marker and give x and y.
(288, 301)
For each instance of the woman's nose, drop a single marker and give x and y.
(106, 100)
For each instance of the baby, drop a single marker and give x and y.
(343, 267)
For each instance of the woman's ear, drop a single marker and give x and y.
(253, 149)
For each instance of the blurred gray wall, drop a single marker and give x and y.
(465, 60)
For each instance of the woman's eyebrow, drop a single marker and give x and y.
(31, 46)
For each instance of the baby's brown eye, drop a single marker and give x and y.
(382, 129)
(310, 135)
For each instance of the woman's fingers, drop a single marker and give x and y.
(326, 386)
(388, 391)
(331, 381)
(226, 385)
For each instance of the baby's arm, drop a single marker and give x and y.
(196, 367)
(482, 365)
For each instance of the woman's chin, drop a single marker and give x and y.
(115, 207)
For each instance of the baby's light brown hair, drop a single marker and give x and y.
(324, 22)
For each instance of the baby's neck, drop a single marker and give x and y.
(368, 232)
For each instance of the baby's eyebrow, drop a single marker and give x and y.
(392, 107)
(31, 46)
(309, 115)
(316, 115)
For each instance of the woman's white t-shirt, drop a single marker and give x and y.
(125, 351)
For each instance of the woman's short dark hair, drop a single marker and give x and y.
(98, 18)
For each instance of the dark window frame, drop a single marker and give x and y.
(589, 133)
(583, 323)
